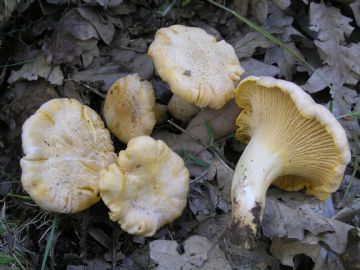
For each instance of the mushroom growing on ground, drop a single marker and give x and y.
(129, 108)
(66, 146)
(199, 70)
(148, 187)
(293, 143)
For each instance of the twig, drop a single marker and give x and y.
(199, 177)
(132, 49)
(196, 139)
(18, 261)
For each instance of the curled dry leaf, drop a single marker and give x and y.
(286, 250)
(282, 221)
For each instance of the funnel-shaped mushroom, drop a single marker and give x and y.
(199, 69)
(129, 108)
(148, 187)
(66, 146)
(293, 143)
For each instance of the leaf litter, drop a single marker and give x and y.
(79, 48)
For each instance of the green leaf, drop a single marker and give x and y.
(18, 63)
(5, 259)
(352, 114)
(22, 197)
(185, 2)
(210, 132)
(49, 242)
(198, 161)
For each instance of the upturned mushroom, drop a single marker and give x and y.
(129, 108)
(147, 188)
(293, 143)
(65, 146)
(200, 71)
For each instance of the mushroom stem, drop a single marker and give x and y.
(255, 171)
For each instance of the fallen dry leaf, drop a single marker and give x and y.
(222, 122)
(257, 68)
(355, 7)
(286, 251)
(282, 221)
(246, 45)
(282, 4)
(195, 253)
(73, 36)
(105, 29)
(301, 201)
(39, 68)
(332, 27)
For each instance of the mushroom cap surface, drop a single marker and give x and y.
(65, 146)
(307, 137)
(199, 69)
(129, 108)
(148, 187)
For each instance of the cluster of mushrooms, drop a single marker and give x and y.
(293, 143)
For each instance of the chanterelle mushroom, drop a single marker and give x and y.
(293, 143)
(66, 146)
(148, 187)
(129, 108)
(199, 69)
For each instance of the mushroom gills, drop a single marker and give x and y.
(294, 143)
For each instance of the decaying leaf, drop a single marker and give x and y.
(301, 201)
(109, 3)
(286, 250)
(216, 229)
(223, 174)
(258, 68)
(39, 68)
(284, 60)
(105, 29)
(8, 7)
(260, 9)
(282, 221)
(349, 212)
(355, 6)
(142, 65)
(282, 4)
(73, 36)
(281, 25)
(195, 253)
(332, 27)
(104, 75)
(222, 122)
(246, 45)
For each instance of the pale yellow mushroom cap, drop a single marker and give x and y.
(129, 108)
(198, 69)
(148, 187)
(65, 146)
(308, 139)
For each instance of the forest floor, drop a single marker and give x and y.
(78, 48)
